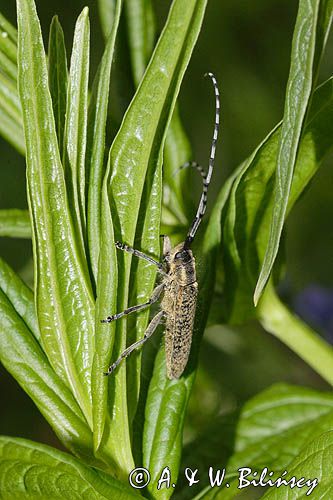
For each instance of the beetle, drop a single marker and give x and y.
(179, 286)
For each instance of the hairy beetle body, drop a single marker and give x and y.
(179, 304)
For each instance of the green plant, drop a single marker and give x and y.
(52, 340)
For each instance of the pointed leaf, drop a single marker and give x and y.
(107, 10)
(98, 109)
(57, 64)
(63, 292)
(100, 232)
(311, 31)
(75, 136)
(141, 35)
(247, 216)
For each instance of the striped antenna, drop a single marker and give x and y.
(206, 177)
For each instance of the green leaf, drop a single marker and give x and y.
(107, 10)
(97, 117)
(57, 65)
(141, 35)
(314, 464)
(8, 39)
(75, 135)
(23, 357)
(10, 110)
(15, 223)
(246, 218)
(20, 296)
(32, 470)
(134, 158)
(275, 430)
(313, 23)
(8, 28)
(12, 131)
(100, 233)
(8, 67)
(65, 304)
(9, 100)
(276, 424)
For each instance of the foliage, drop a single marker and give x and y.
(84, 195)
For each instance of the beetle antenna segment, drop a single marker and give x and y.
(207, 178)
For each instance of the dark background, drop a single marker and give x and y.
(246, 43)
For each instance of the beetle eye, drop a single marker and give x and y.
(183, 255)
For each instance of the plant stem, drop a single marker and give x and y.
(290, 329)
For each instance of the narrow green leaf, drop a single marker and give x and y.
(176, 195)
(247, 216)
(9, 100)
(75, 136)
(97, 117)
(133, 155)
(20, 296)
(57, 65)
(305, 56)
(100, 233)
(64, 298)
(314, 463)
(107, 10)
(8, 39)
(8, 67)
(15, 223)
(8, 28)
(141, 35)
(12, 131)
(32, 470)
(24, 359)
(104, 338)
(10, 111)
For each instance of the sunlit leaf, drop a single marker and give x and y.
(247, 217)
(75, 134)
(31, 470)
(311, 31)
(64, 297)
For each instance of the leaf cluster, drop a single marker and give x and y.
(83, 196)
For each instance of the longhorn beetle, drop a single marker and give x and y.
(179, 285)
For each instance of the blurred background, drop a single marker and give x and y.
(247, 44)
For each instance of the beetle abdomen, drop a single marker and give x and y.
(179, 304)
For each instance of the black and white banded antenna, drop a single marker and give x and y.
(206, 177)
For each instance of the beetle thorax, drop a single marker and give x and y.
(182, 265)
